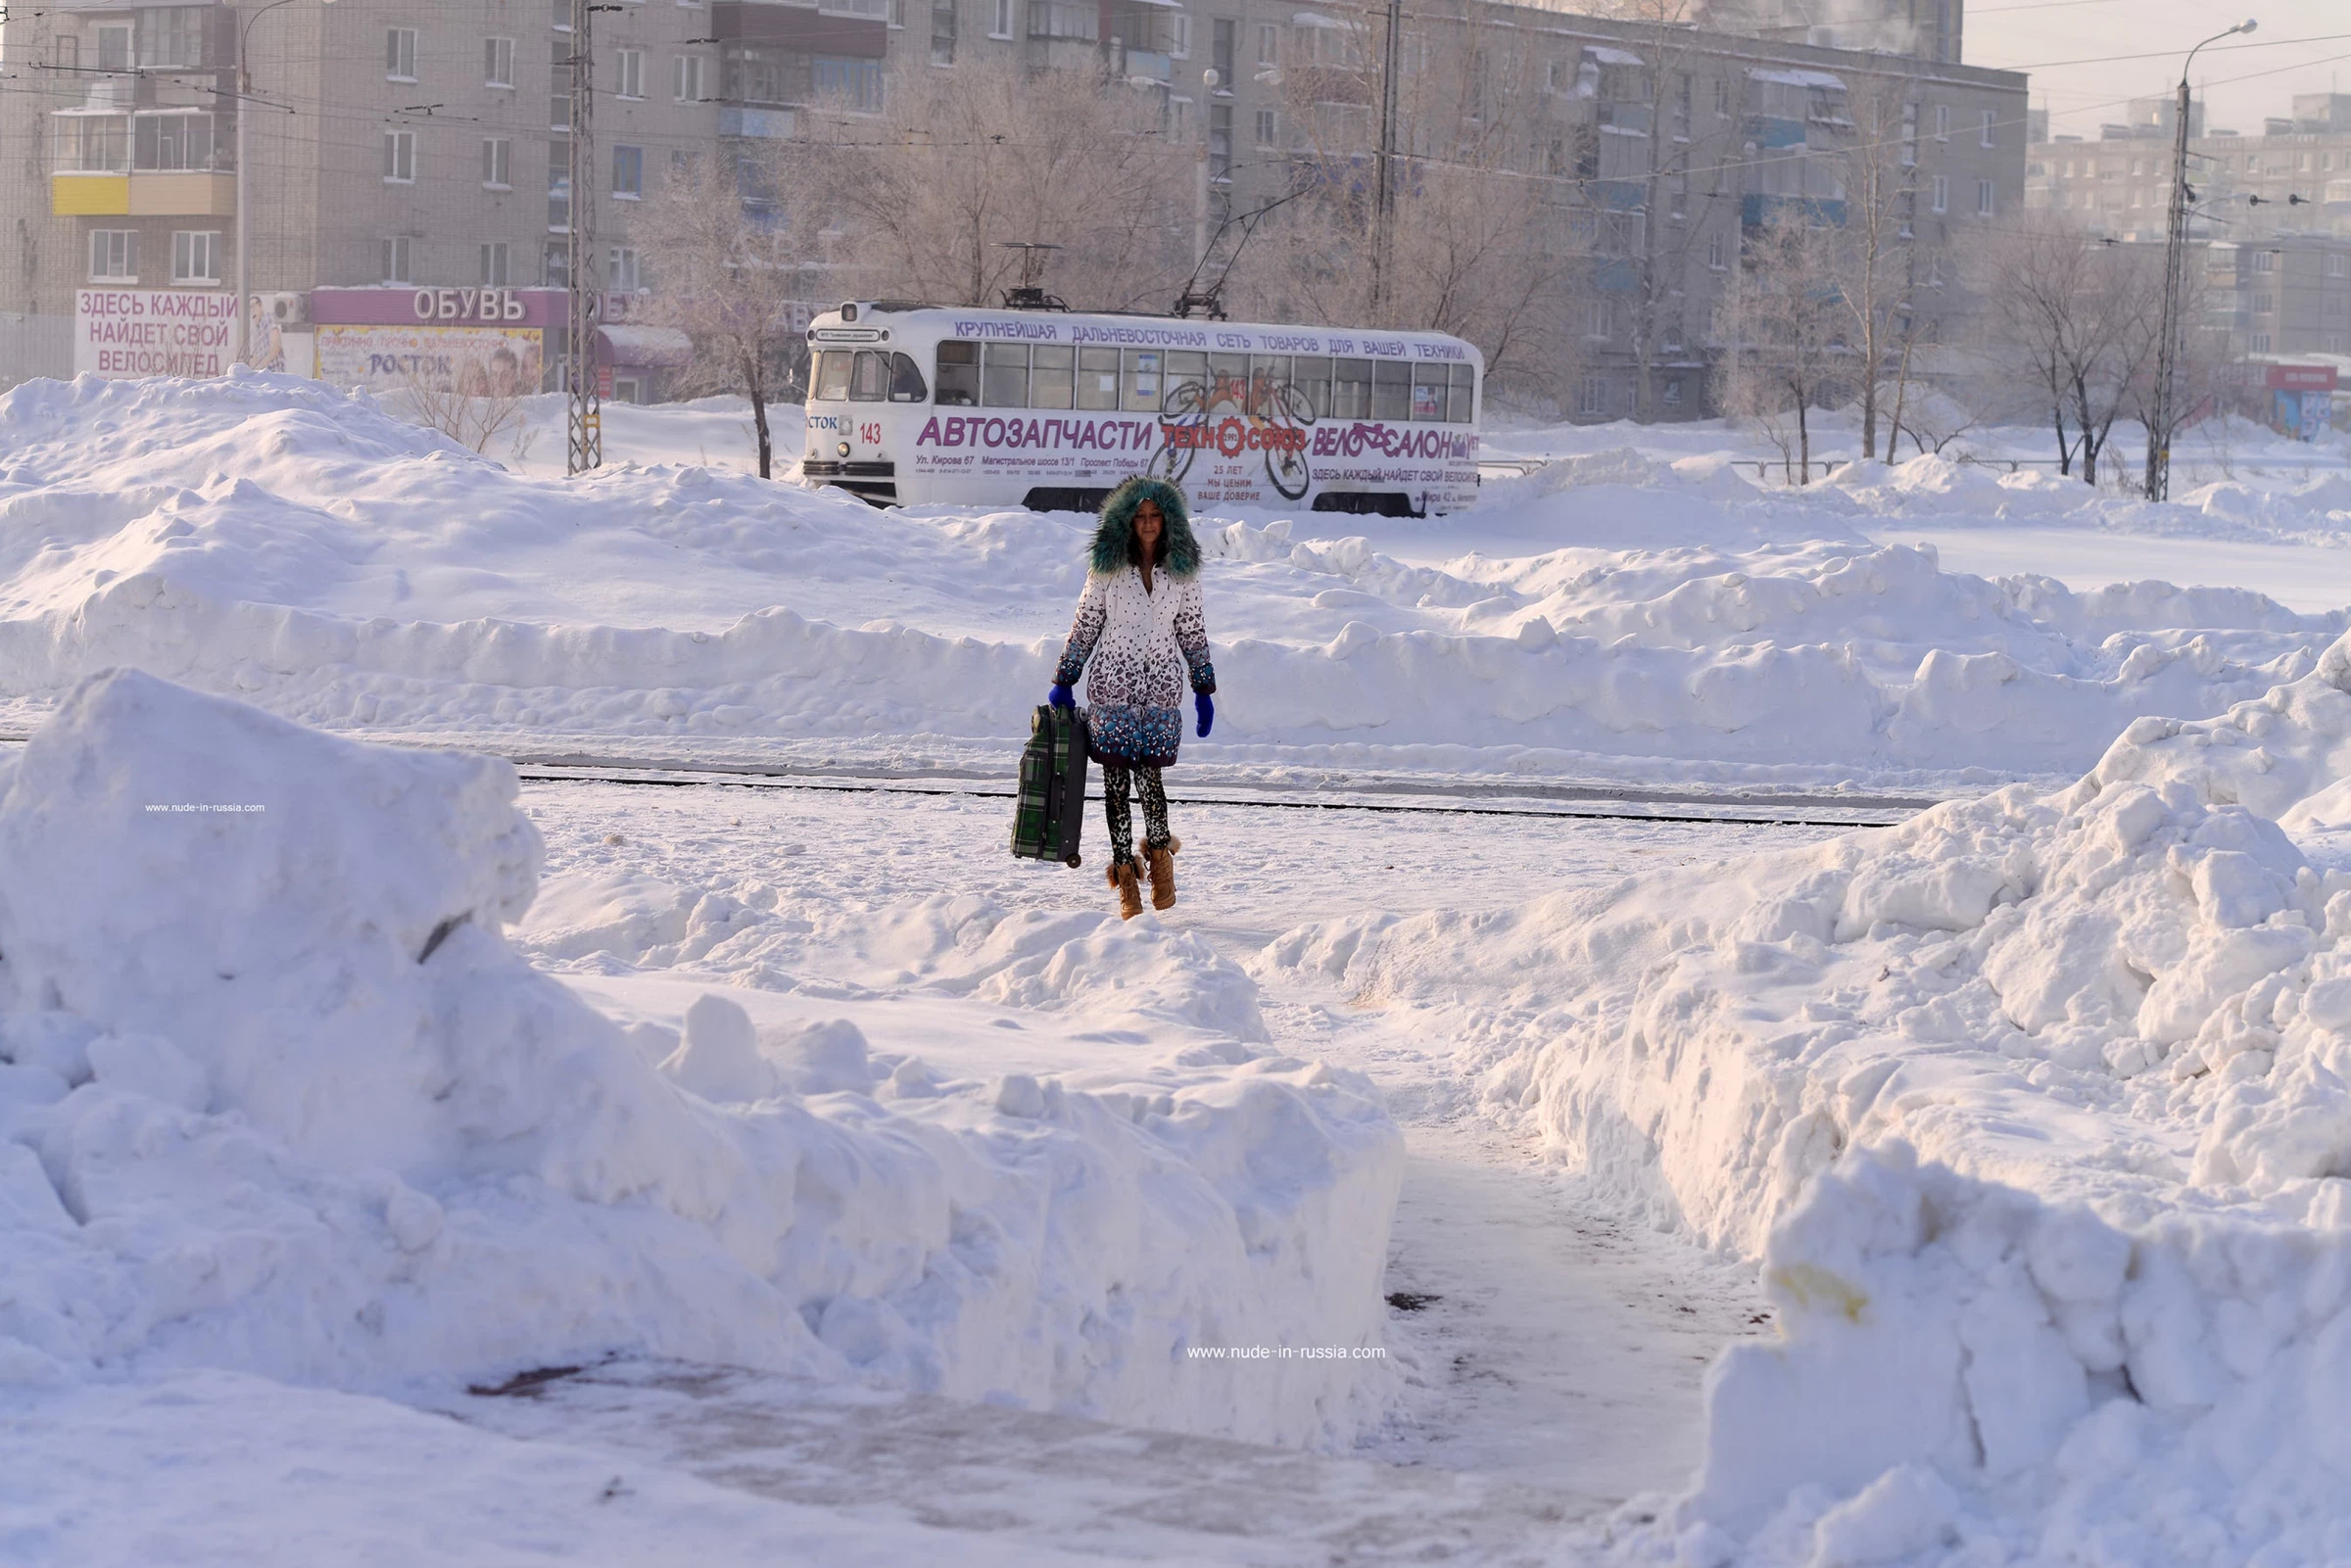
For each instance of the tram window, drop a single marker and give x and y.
(958, 375)
(906, 380)
(1097, 378)
(1351, 389)
(1391, 390)
(1142, 381)
(1461, 397)
(872, 379)
(833, 368)
(1004, 375)
(1186, 366)
(1230, 372)
(1311, 375)
(1049, 376)
(1266, 371)
(1428, 394)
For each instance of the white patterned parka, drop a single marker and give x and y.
(1142, 644)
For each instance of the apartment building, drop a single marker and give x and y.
(403, 158)
(2293, 177)
(2280, 296)
(388, 146)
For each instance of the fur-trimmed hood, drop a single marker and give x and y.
(1114, 534)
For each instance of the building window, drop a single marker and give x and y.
(494, 264)
(999, 24)
(1592, 395)
(558, 196)
(854, 85)
(1943, 122)
(113, 46)
(1268, 44)
(172, 141)
(631, 73)
(1983, 136)
(195, 255)
(396, 259)
(1714, 258)
(620, 269)
(1597, 320)
(2265, 261)
(628, 172)
(1722, 99)
(686, 78)
(559, 15)
(498, 62)
(554, 264)
(1265, 127)
(943, 32)
(497, 164)
(2261, 342)
(2337, 266)
(1942, 194)
(1221, 51)
(114, 255)
(1179, 34)
(1909, 135)
(1982, 197)
(399, 158)
(399, 54)
(1673, 392)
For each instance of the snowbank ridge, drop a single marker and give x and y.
(279, 1097)
(298, 547)
(2035, 1109)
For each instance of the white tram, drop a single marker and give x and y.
(909, 403)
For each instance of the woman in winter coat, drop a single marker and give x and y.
(1140, 622)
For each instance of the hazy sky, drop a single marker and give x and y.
(2014, 35)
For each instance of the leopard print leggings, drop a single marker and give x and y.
(1116, 777)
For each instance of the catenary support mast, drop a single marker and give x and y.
(585, 420)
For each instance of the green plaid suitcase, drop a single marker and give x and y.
(1052, 813)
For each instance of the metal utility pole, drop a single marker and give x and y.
(2163, 417)
(1209, 82)
(1383, 208)
(585, 425)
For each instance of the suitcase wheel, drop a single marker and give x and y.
(1075, 861)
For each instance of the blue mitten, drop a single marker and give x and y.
(1061, 697)
(1207, 711)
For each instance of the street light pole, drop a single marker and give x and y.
(243, 219)
(2174, 268)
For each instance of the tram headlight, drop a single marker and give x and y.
(842, 448)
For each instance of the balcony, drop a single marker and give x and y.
(183, 193)
(162, 162)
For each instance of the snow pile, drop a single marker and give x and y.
(278, 1097)
(295, 547)
(961, 946)
(2075, 1065)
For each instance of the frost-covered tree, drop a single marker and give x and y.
(735, 249)
(1482, 239)
(1780, 325)
(988, 156)
(2077, 319)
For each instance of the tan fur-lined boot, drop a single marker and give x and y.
(1163, 873)
(1120, 873)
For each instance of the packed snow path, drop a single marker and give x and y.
(1551, 1349)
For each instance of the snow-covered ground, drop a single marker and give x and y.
(781, 1168)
